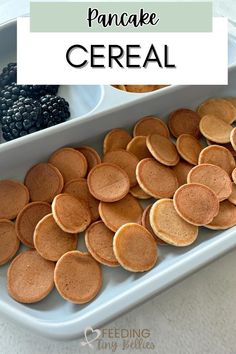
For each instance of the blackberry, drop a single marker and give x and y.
(37, 91)
(8, 74)
(8, 95)
(55, 110)
(23, 118)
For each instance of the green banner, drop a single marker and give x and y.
(121, 16)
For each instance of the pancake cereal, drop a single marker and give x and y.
(27, 220)
(135, 248)
(78, 277)
(99, 241)
(151, 125)
(184, 121)
(195, 203)
(169, 226)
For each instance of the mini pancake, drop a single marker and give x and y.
(189, 148)
(13, 196)
(44, 182)
(108, 182)
(227, 146)
(146, 223)
(116, 139)
(142, 88)
(9, 243)
(138, 193)
(162, 149)
(195, 203)
(30, 277)
(151, 125)
(116, 214)
(181, 170)
(169, 226)
(138, 147)
(51, 241)
(27, 220)
(91, 156)
(232, 197)
(219, 156)
(234, 175)
(135, 248)
(219, 108)
(215, 129)
(71, 215)
(78, 188)
(70, 162)
(99, 241)
(184, 121)
(155, 179)
(233, 138)
(120, 87)
(226, 217)
(213, 177)
(78, 277)
(125, 160)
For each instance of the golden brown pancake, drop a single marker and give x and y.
(155, 179)
(116, 139)
(99, 241)
(108, 182)
(215, 129)
(116, 214)
(30, 277)
(226, 217)
(138, 147)
(135, 248)
(70, 162)
(195, 203)
(227, 146)
(78, 277)
(189, 148)
(50, 241)
(13, 197)
(71, 215)
(162, 149)
(184, 121)
(169, 226)
(44, 181)
(143, 88)
(9, 243)
(218, 107)
(219, 156)
(151, 125)
(27, 220)
(213, 177)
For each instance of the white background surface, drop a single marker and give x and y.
(196, 316)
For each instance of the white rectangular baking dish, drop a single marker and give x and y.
(55, 318)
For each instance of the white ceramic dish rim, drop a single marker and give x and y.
(73, 327)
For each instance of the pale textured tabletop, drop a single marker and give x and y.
(196, 316)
